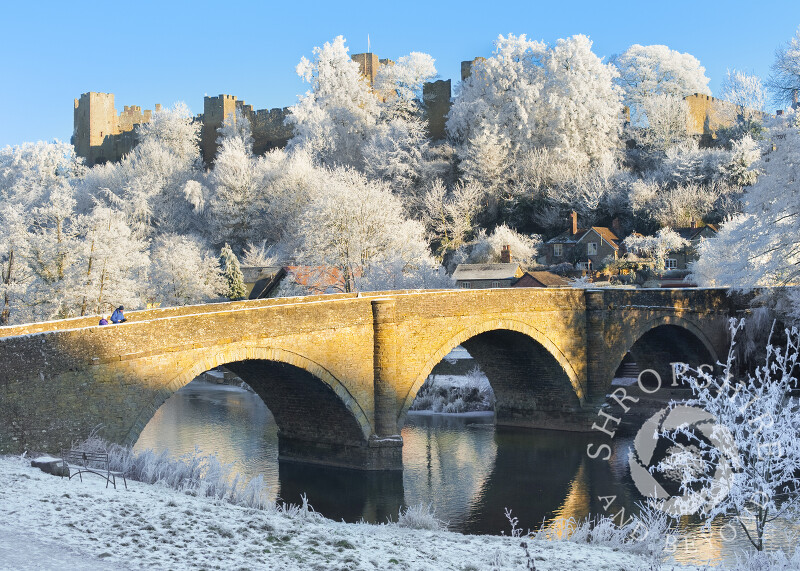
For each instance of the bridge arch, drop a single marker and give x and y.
(215, 356)
(640, 330)
(495, 325)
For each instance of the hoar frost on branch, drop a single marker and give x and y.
(784, 79)
(757, 423)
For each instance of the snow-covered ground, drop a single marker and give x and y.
(48, 522)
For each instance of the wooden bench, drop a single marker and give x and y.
(77, 462)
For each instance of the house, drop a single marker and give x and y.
(694, 234)
(584, 247)
(541, 279)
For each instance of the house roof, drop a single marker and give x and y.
(568, 237)
(693, 233)
(465, 272)
(318, 279)
(254, 273)
(546, 279)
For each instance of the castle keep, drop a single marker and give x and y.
(100, 135)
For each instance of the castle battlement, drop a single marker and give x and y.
(101, 135)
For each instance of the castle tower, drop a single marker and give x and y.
(369, 64)
(436, 100)
(95, 124)
(215, 110)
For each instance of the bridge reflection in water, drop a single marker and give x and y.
(467, 469)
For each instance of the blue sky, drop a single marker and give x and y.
(162, 52)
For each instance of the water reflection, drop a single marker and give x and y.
(463, 466)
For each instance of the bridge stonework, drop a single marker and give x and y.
(340, 372)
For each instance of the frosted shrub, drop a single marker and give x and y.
(193, 473)
(420, 516)
(452, 394)
(645, 533)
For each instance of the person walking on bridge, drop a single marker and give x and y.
(118, 316)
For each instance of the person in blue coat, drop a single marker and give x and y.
(117, 316)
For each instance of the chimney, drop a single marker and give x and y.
(693, 224)
(616, 227)
(574, 219)
(505, 254)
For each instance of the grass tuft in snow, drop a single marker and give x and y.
(420, 516)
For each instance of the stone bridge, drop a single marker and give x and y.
(339, 372)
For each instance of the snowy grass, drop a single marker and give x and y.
(455, 393)
(84, 525)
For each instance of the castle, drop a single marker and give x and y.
(100, 135)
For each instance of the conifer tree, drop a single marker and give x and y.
(232, 273)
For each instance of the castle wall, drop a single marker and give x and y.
(99, 134)
(707, 115)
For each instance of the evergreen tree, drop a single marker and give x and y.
(232, 273)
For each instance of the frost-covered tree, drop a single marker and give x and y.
(53, 248)
(450, 217)
(28, 172)
(666, 120)
(15, 275)
(744, 90)
(237, 126)
(290, 181)
(760, 247)
(645, 71)
(334, 118)
(232, 274)
(527, 97)
(582, 103)
(756, 421)
(784, 79)
(112, 269)
(236, 202)
(184, 272)
(357, 226)
(150, 185)
(655, 247)
(487, 248)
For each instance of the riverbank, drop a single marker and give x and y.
(48, 522)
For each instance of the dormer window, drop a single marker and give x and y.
(558, 250)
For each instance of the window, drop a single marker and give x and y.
(582, 265)
(671, 264)
(591, 249)
(557, 250)
(466, 285)
(497, 284)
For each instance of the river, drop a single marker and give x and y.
(467, 469)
